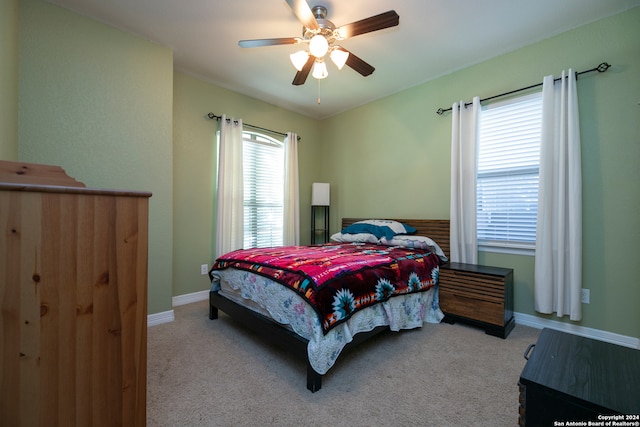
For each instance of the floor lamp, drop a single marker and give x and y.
(320, 201)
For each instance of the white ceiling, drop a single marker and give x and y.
(434, 38)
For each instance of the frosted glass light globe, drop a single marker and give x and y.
(320, 70)
(318, 46)
(339, 57)
(298, 59)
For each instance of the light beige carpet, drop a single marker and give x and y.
(205, 372)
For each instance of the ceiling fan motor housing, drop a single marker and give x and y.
(327, 28)
(319, 12)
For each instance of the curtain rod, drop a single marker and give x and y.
(213, 116)
(600, 68)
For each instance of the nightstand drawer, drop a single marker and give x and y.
(490, 288)
(472, 307)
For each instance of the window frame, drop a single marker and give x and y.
(510, 246)
(252, 137)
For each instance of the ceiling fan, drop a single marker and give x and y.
(321, 36)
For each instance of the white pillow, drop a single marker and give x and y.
(351, 238)
(415, 242)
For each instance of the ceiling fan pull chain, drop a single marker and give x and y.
(318, 91)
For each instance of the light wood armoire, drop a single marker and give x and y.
(73, 301)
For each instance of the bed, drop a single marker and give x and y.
(313, 317)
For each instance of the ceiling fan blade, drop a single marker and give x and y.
(268, 42)
(367, 25)
(302, 10)
(301, 76)
(358, 64)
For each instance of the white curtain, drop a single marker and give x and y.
(291, 192)
(558, 263)
(464, 141)
(229, 200)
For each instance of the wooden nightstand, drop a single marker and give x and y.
(478, 294)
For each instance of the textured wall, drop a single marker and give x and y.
(9, 79)
(98, 102)
(402, 149)
(194, 160)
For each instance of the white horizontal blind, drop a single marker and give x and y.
(507, 177)
(263, 162)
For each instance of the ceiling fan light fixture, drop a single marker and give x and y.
(299, 58)
(318, 46)
(320, 70)
(339, 57)
(321, 35)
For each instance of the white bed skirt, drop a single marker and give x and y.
(289, 309)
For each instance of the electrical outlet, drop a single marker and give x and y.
(585, 296)
(204, 269)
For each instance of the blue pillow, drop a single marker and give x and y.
(379, 228)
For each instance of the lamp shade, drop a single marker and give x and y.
(320, 194)
(339, 57)
(320, 70)
(298, 59)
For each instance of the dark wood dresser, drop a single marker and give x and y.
(571, 379)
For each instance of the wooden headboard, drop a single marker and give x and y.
(437, 229)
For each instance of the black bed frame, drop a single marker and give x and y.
(277, 334)
(292, 342)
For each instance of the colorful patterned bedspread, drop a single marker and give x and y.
(338, 279)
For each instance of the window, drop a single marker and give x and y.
(263, 174)
(507, 176)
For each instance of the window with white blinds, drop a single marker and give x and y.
(263, 174)
(507, 176)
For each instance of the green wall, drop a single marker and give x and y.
(98, 102)
(9, 79)
(194, 160)
(108, 107)
(392, 157)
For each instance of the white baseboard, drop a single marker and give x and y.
(520, 318)
(159, 318)
(539, 323)
(168, 316)
(189, 298)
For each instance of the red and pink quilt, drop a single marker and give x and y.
(338, 279)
